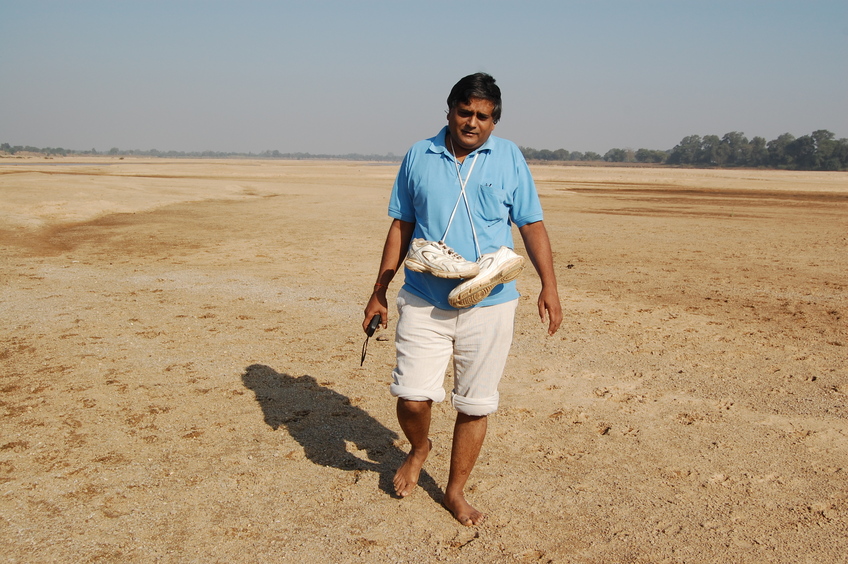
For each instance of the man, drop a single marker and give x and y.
(462, 189)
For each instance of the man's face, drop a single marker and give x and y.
(470, 125)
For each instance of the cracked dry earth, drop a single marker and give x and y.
(180, 379)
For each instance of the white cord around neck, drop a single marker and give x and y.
(463, 196)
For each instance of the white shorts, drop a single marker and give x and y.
(479, 339)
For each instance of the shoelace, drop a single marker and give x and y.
(447, 250)
(463, 196)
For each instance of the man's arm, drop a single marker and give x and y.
(394, 251)
(538, 246)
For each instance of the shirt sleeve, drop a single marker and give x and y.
(400, 202)
(526, 207)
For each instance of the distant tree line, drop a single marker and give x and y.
(51, 151)
(817, 151)
(558, 155)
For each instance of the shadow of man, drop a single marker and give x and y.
(323, 421)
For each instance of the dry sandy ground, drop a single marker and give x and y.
(181, 381)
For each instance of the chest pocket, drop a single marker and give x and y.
(492, 205)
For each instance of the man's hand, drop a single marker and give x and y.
(550, 309)
(394, 251)
(376, 305)
(538, 246)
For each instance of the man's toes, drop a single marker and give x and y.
(403, 487)
(400, 487)
(469, 520)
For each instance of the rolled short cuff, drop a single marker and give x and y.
(475, 406)
(417, 394)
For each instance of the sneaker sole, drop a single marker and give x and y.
(416, 266)
(478, 288)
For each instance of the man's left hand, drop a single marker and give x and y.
(550, 309)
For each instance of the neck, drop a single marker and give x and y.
(459, 155)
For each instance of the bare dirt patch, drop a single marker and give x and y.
(180, 350)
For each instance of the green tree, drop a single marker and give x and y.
(825, 150)
(840, 154)
(650, 156)
(757, 152)
(803, 152)
(615, 156)
(528, 152)
(686, 152)
(778, 155)
(709, 154)
(735, 150)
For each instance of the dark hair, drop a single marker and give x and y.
(479, 85)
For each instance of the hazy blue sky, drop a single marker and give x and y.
(372, 76)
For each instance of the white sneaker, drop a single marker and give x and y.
(439, 260)
(495, 268)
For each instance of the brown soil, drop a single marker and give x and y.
(180, 347)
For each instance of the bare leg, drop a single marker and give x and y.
(414, 419)
(468, 435)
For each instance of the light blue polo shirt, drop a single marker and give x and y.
(500, 191)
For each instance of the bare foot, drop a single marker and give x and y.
(406, 477)
(462, 510)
